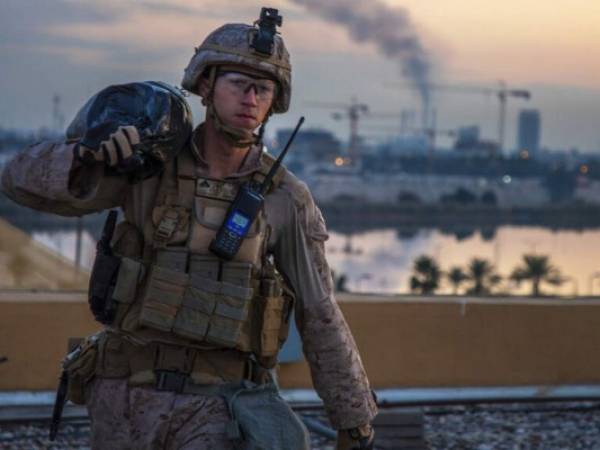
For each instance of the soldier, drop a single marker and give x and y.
(184, 360)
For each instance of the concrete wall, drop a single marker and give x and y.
(34, 330)
(445, 342)
(404, 341)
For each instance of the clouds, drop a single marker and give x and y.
(25, 22)
(76, 47)
(150, 33)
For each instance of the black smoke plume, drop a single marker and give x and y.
(389, 28)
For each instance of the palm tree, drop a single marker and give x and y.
(537, 268)
(426, 275)
(456, 276)
(482, 275)
(341, 283)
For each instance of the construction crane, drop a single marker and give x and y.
(503, 93)
(352, 111)
(58, 118)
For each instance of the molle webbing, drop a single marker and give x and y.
(203, 304)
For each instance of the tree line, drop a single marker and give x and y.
(479, 277)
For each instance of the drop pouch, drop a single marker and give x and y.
(262, 420)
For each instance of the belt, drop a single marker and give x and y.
(182, 383)
(176, 368)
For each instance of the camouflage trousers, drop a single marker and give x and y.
(127, 417)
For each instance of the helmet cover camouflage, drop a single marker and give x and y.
(231, 45)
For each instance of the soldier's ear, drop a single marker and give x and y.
(203, 89)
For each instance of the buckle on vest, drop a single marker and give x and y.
(170, 380)
(167, 226)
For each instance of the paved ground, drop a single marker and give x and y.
(572, 426)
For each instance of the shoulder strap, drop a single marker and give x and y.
(186, 179)
(175, 194)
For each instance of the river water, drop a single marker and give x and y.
(380, 261)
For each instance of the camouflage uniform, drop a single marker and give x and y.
(126, 415)
(46, 177)
(140, 418)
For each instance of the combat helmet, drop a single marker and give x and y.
(256, 47)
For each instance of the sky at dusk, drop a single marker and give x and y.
(75, 48)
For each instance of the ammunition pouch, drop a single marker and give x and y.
(196, 305)
(215, 303)
(270, 306)
(272, 310)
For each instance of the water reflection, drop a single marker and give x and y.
(372, 261)
(381, 260)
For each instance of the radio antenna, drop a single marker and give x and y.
(265, 184)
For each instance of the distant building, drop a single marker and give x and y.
(470, 145)
(528, 139)
(405, 146)
(468, 137)
(310, 146)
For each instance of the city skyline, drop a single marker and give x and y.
(75, 48)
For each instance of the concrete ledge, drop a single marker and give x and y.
(448, 342)
(404, 341)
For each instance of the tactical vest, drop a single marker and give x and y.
(181, 290)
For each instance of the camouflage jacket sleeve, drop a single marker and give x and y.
(46, 177)
(336, 368)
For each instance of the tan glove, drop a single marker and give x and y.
(360, 438)
(115, 150)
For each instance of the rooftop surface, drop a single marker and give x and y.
(523, 426)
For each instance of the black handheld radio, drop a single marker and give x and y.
(244, 209)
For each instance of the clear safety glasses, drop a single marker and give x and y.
(241, 84)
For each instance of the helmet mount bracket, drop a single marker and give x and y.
(264, 36)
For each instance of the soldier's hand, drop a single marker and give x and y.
(360, 438)
(116, 151)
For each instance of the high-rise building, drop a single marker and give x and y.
(528, 139)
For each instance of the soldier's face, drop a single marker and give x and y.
(243, 101)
